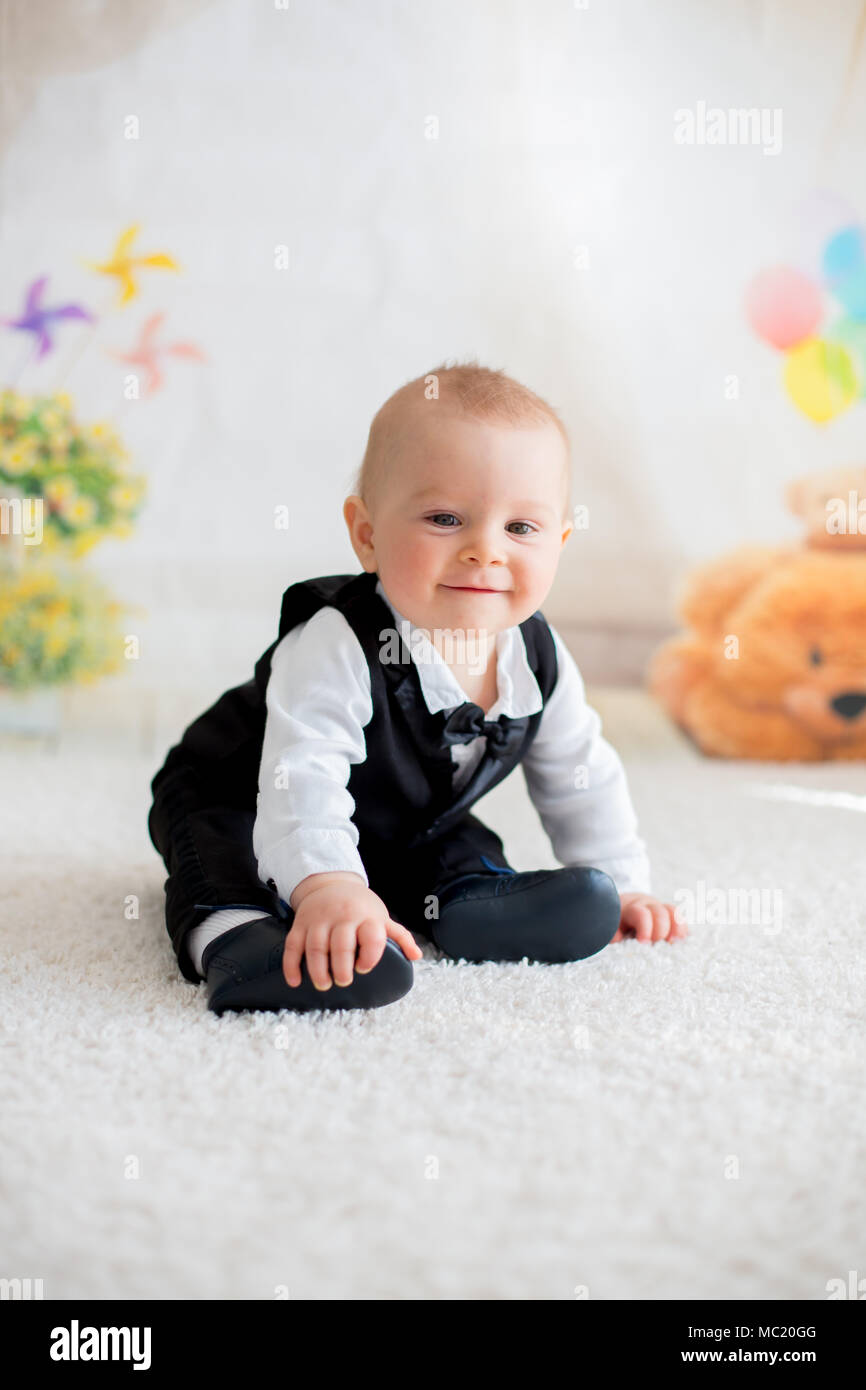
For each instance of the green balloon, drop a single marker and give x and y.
(851, 334)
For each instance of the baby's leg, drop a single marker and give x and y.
(206, 846)
(244, 970)
(228, 927)
(480, 909)
(552, 915)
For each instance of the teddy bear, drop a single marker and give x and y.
(833, 505)
(774, 667)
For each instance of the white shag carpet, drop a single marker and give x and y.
(659, 1122)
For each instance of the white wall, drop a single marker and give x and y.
(306, 126)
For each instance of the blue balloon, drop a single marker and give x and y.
(851, 292)
(844, 254)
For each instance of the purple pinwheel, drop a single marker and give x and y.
(36, 319)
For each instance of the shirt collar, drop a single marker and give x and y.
(519, 692)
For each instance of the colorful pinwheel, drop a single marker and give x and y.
(38, 318)
(147, 353)
(122, 264)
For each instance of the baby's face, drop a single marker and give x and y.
(468, 527)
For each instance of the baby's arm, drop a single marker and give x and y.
(318, 703)
(578, 786)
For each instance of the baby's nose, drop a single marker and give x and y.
(481, 547)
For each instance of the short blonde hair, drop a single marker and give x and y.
(480, 393)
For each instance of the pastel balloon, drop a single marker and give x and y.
(844, 254)
(783, 306)
(820, 379)
(851, 293)
(851, 334)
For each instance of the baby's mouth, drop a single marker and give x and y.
(473, 589)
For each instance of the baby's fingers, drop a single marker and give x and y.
(318, 959)
(638, 916)
(404, 938)
(343, 943)
(371, 944)
(293, 954)
(679, 926)
(661, 921)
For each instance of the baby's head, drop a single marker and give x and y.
(465, 482)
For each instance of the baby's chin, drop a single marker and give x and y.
(488, 607)
(493, 610)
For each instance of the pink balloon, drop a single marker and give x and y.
(783, 306)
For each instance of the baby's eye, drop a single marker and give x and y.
(815, 657)
(438, 517)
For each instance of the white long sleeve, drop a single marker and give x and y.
(578, 785)
(318, 702)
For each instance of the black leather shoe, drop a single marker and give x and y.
(551, 915)
(244, 970)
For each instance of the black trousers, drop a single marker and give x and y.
(205, 840)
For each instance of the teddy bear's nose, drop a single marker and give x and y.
(850, 704)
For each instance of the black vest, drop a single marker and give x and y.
(403, 791)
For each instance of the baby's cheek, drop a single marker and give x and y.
(414, 557)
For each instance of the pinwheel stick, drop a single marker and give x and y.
(26, 357)
(84, 340)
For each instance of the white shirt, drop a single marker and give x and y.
(319, 702)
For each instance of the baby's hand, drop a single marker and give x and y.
(336, 916)
(649, 919)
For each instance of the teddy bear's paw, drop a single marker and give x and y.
(727, 730)
(674, 670)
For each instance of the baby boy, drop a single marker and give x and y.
(315, 818)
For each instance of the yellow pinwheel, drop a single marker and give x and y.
(122, 264)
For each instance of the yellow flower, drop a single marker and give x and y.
(64, 400)
(60, 489)
(84, 541)
(18, 459)
(78, 510)
(54, 608)
(124, 496)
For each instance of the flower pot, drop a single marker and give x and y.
(36, 711)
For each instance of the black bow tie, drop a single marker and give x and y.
(467, 722)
